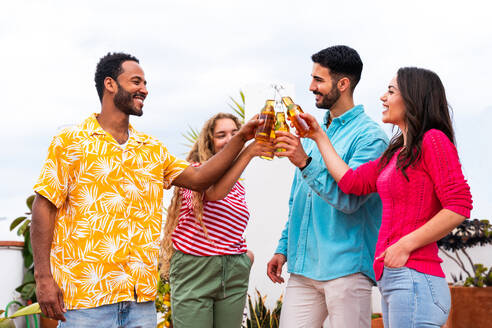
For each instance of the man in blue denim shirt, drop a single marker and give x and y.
(330, 237)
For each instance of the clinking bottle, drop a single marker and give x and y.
(293, 112)
(265, 131)
(281, 125)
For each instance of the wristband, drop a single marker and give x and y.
(308, 160)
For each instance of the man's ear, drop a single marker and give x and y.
(343, 84)
(110, 85)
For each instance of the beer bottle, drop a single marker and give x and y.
(267, 114)
(281, 125)
(270, 155)
(265, 132)
(293, 112)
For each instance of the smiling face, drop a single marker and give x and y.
(394, 105)
(132, 89)
(323, 87)
(224, 130)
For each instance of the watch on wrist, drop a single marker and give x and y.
(308, 160)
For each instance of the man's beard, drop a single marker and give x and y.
(328, 100)
(123, 100)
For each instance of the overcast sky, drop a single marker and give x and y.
(198, 53)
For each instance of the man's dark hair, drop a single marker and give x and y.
(110, 66)
(342, 61)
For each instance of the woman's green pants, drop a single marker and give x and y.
(208, 291)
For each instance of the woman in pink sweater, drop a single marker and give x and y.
(424, 195)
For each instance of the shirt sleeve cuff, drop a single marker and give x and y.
(281, 249)
(310, 172)
(461, 210)
(180, 167)
(56, 201)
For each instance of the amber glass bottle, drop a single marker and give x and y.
(265, 132)
(270, 155)
(267, 114)
(280, 125)
(293, 112)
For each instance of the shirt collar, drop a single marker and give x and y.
(345, 117)
(92, 126)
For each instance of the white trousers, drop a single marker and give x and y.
(339, 303)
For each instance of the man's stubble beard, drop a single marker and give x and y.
(123, 100)
(328, 100)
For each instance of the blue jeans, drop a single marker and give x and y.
(122, 314)
(413, 299)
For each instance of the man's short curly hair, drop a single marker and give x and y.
(342, 61)
(110, 66)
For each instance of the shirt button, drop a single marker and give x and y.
(343, 121)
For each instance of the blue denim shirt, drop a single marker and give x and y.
(330, 234)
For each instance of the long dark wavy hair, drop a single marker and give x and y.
(426, 108)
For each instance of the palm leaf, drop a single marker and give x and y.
(191, 136)
(239, 107)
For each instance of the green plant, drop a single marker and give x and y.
(191, 135)
(163, 303)
(468, 234)
(260, 316)
(238, 107)
(23, 225)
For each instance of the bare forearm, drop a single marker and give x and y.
(436, 228)
(217, 165)
(220, 189)
(202, 177)
(335, 165)
(42, 226)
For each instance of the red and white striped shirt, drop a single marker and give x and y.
(225, 221)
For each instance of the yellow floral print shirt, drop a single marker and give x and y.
(109, 198)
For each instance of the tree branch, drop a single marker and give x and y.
(460, 264)
(469, 259)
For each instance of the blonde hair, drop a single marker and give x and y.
(201, 151)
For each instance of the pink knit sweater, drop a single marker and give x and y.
(435, 182)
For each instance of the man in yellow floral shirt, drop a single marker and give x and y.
(97, 214)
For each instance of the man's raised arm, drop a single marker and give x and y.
(202, 177)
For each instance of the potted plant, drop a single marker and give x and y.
(377, 320)
(163, 304)
(7, 321)
(471, 297)
(260, 316)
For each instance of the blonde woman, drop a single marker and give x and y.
(204, 252)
